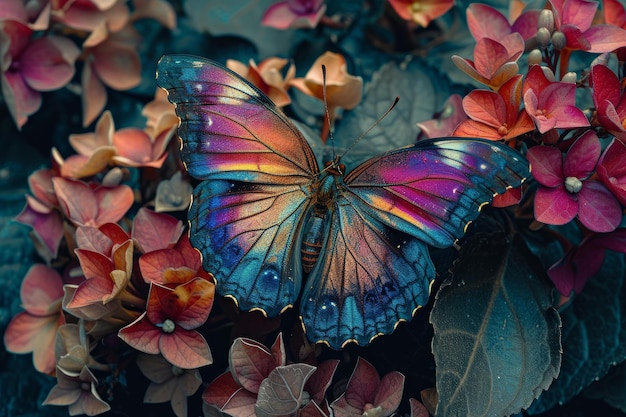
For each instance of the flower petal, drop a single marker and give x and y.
(547, 165)
(142, 335)
(582, 157)
(598, 209)
(555, 206)
(186, 349)
(48, 63)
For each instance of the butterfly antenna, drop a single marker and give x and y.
(327, 114)
(376, 123)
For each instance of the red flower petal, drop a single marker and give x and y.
(472, 129)
(41, 288)
(94, 264)
(226, 394)
(555, 206)
(250, 363)
(582, 157)
(186, 349)
(605, 85)
(486, 22)
(20, 99)
(153, 231)
(489, 56)
(362, 385)
(612, 170)
(547, 165)
(390, 392)
(27, 333)
(77, 200)
(142, 335)
(598, 209)
(113, 203)
(485, 106)
(605, 38)
(47, 227)
(48, 63)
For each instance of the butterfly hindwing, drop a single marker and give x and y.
(370, 278)
(249, 236)
(432, 190)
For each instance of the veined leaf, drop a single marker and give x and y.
(497, 337)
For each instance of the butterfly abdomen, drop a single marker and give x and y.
(312, 240)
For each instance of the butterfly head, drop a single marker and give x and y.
(335, 167)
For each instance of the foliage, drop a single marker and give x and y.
(117, 309)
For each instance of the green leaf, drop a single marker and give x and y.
(422, 92)
(497, 337)
(594, 334)
(612, 388)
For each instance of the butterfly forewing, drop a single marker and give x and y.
(433, 189)
(246, 217)
(230, 129)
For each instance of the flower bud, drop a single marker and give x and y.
(535, 57)
(569, 77)
(558, 40)
(543, 37)
(546, 20)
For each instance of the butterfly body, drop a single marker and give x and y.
(352, 246)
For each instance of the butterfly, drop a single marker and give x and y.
(275, 228)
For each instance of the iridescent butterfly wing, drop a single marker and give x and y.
(258, 174)
(386, 210)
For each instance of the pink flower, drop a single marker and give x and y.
(571, 273)
(111, 60)
(495, 116)
(167, 325)
(87, 206)
(612, 169)
(551, 104)
(615, 14)
(106, 277)
(574, 18)
(30, 66)
(35, 329)
(89, 15)
(609, 100)
(268, 77)
(566, 190)
(292, 14)
(444, 122)
(421, 12)
(34, 14)
(366, 391)
(42, 214)
(168, 383)
(486, 22)
(78, 391)
(495, 61)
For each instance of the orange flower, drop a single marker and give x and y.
(267, 76)
(342, 89)
(421, 12)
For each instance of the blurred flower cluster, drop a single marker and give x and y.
(119, 280)
(44, 43)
